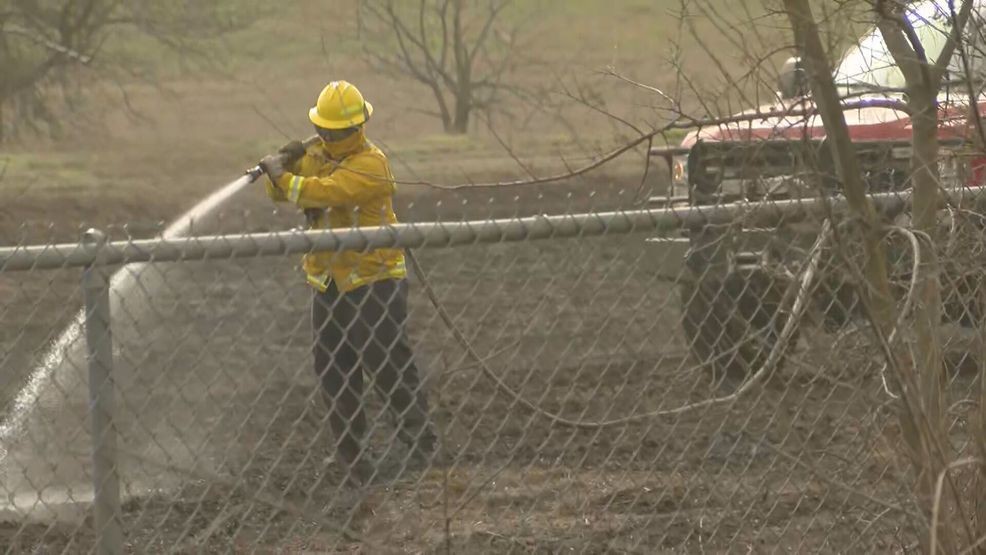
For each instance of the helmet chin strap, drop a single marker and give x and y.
(340, 149)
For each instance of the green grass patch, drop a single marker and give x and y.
(299, 34)
(294, 33)
(50, 170)
(673, 137)
(437, 144)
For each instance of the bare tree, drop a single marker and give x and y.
(922, 408)
(923, 78)
(460, 49)
(936, 55)
(43, 43)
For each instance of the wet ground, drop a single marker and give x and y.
(223, 442)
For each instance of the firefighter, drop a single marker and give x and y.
(359, 306)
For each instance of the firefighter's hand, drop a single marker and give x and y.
(274, 169)
(291, 152)
(272, 166)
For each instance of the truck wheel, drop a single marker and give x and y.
(732, 323)
(838, 302)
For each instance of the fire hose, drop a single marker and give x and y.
(799, 304)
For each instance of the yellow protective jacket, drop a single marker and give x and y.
(352, 184)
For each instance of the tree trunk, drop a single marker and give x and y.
(876, 292)
(923, 416)
(927, 304)
(463, 109)
(925, 179)
(980, 420)
(463, 72)
(876, 289)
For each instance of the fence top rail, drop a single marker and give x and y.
(94, 249)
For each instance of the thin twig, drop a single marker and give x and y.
(472, 497)
(613, 73)
(270, 122)
(272, 499)
(908, 301)
(487, 359)
(597, 108)
(506, 147)
(939, 486)
(224, 515)
(676, 124)
(881, 339)
(818, 474)
(445, 477)
(974, 546)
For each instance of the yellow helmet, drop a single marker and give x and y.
(340, 105)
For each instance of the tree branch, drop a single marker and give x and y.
(955, 37)
(977, 118)
(443, 18)
(423, 43)
(484, 33)
(403, 32)
(903, 43)
(444, 54)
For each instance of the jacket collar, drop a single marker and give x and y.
(346, 147)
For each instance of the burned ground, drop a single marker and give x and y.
(222, 433)
(225, 443)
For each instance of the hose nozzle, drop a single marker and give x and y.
(256, 171)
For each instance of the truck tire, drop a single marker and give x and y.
(732, 323)
(838, 302)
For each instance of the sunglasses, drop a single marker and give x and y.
(335, 135)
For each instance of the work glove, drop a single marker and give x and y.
(272, 166)
(292, 152)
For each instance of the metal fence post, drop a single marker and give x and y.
(106, 481)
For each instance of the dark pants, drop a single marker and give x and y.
(364, 330)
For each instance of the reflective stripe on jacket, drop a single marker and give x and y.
(354, 189)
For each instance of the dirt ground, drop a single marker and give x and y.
(223, 437)
(226, 448)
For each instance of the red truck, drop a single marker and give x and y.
(736, 275)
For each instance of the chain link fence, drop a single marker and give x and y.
(696, 377)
